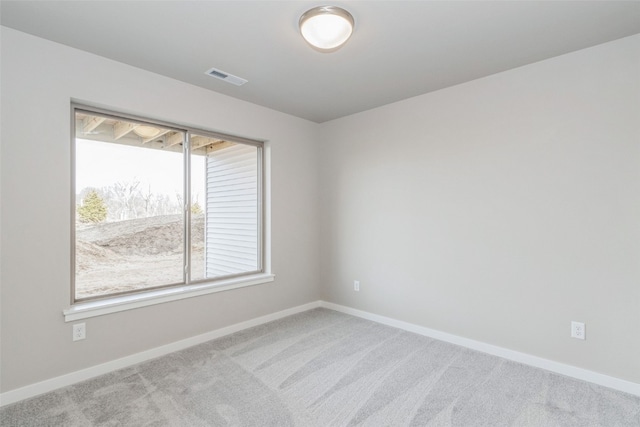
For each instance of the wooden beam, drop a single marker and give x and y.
(120, 129)
(162, 132)
(174, 139)
(91, 122)
(219, 146)
(200, 141)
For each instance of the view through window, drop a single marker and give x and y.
(145, 217)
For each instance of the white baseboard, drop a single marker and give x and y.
(32, 390)
(527, 359)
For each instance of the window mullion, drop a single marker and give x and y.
(187, 207)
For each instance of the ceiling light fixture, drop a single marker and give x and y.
(326, 28)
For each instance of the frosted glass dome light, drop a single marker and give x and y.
(326, 27)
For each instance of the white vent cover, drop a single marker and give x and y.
(223, 75)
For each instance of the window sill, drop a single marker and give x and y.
(129, 302)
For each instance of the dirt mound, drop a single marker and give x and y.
(135, 254)
(87, 254)
(141, 237)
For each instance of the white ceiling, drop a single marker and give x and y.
(399, 49)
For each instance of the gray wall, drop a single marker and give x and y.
(498, 210)
(39, 78)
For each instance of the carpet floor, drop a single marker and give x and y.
(324, 368)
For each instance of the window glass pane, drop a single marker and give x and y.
(225, 184)
(129, 206)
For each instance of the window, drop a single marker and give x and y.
(159, 206)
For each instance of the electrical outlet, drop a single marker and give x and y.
(79, 331)
(578, 330)
(356, 285)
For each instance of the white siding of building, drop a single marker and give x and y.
(231, 235)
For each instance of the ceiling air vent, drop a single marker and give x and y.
(230, 78)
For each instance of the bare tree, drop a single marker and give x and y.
(148, 201)
(125, 200)
(127, 193)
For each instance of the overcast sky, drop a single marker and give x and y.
(100, 164)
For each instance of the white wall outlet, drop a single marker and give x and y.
(578, 330)
(79, 331)
(356, 285)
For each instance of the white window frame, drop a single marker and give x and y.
(121, 302)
